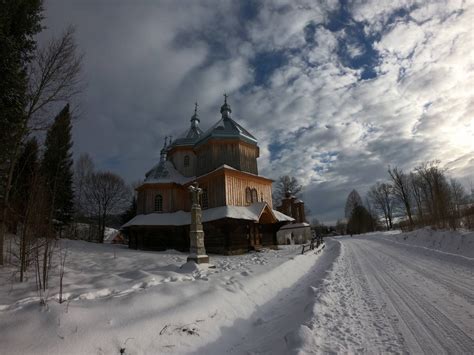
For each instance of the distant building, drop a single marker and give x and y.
(298, 232)
(236, 201)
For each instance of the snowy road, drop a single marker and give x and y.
(383, 296)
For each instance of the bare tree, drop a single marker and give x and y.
(417, 188)
(286, 184)
(83, 169)
(63, 254)
(436, 189)
(381, 196)
(53, 77)
(401, 190)
(106, 193)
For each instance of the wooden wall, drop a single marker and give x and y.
(226, 236)
(234, 153)
(248, 158)
(175, 198)
(215, 186)
(177, 158)
(236, 185)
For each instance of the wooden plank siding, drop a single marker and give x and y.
(237, 183)
(225, 236)
(235, 153)
(175, 198)
(224, 187)
(177, 158)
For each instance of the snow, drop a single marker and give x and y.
(294, 226)
(447, 241)
(165, 172)
(180, 218)
(110, 234)
(377, 293)
(114, 293)
(386, 297)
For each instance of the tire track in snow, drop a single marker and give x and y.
(397, 311)
(449, 281)
(444, 332)
(349, 317)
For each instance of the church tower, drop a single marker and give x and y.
(181, 152)
(227, 143)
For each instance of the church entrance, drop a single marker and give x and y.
(255, 236)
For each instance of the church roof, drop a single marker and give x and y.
(181, 218)
(190, 136)
(165, 172)
(226, 127)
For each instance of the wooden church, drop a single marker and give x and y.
(238, 215)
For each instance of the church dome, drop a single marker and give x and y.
(226, 127)
(191, 135)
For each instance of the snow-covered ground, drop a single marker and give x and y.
(146, 302)
(382, 292)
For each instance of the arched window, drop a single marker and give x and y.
(254, 195)
(158, 203)
(248, 195)
(204, 199)
(186, 160)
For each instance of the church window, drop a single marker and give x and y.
(254, 195)
(204, 199)
(158, 203)
(248, 195)
(186, 160)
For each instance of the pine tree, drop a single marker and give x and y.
(56, 167)
(353, 200)
(19, 23)
(360, 221)
(24, 174)
(23, 204)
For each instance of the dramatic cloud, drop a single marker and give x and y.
(334, 92)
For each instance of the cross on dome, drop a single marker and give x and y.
(225, 109)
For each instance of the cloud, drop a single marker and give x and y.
(333, 92)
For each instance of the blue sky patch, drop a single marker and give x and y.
(264, 65)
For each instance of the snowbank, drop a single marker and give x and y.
(145, 302)
(447, 241)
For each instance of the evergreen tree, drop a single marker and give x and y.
(353, 200)
(19, 23)
(56, 166)
(24, 174)
(360, 221)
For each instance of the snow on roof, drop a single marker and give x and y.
(181, 218)
(282, 217)
(189, 137)
(227, 128)
(110, 234)
(164, 171)
(295, 226)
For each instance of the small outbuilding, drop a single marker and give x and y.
(299, 231)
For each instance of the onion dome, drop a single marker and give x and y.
(225, 109)
(226, 127)
(190, 136)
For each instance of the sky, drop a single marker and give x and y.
(335, 92)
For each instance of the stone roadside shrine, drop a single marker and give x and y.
(196, 232)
